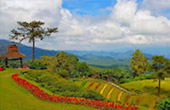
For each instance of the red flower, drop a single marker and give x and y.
(97, 86)
(1, 69)
(91, 85)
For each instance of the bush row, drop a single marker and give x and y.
(59, 85)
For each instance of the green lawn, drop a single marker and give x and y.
(13, 97)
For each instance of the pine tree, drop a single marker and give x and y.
(31, 31)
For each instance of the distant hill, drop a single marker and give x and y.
(27, 50)
(95, 58)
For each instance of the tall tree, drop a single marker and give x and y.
(31, 31)
(139, 63)
(160, 67)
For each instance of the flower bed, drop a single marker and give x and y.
(97, 86)
(90, 85)
(1, 69)
(70, 100)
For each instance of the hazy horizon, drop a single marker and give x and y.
(147, 50)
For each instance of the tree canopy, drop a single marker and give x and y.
(65, 64)
(139, 63)
(160, 67)
(31, 31)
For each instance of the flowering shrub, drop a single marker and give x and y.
(97, 86)
(70, 100)
(90, 85)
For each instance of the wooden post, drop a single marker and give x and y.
(21, 62)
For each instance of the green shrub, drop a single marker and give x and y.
(164, 104)
(92, 95)
(38, 66)
(83, 83)
(73, 79)
(141, 77)
(127, 80)
(45, 78)
(14, 64)
(59, 85)
(83, 93)
(64, 73)
(39, 76)
(71, 94)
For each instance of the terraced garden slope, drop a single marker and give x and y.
(145, 100)
(107, 90)
(13, 97)
(149, 90)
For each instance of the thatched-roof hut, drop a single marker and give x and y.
(13, 54)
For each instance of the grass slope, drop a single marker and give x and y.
(145, 101)
(13, 97)
(148, 88)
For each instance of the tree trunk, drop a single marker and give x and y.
(134, 74)
(21, 63)
(159, 86)
(33, 50)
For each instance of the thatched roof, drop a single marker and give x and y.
(13, 52)
(13, 55)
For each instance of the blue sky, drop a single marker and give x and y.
(99, 7)
(88, 7)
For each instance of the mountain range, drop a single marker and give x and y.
(95, 58)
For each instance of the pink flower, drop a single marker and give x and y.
(25, 66)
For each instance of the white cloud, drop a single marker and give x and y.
(156, 5)
(125, 25)
(124, 11)
(144, 23)
(139, 39)
(147, 40)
